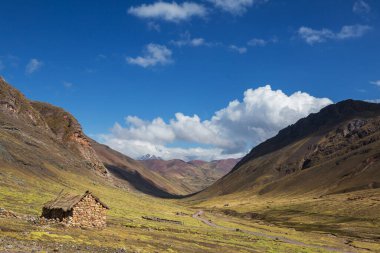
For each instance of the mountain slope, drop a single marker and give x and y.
(68, 131)
(28, 143)
(191, 176)
(321, 174)
(143, 179)
(335, 150)
(39, 138)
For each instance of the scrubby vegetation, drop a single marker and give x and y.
(272, 202)
(25, 194)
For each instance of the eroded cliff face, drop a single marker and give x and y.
(80, 142)
(14, 104)
(43, 140)
(27, 119)
(69, 132)
(333, 151)
(352, 135)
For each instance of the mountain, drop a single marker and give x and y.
(143, 179)
(29, 140)
(320, 174)
(149, 157)
(335, 150)
(191, 176)
(67, 131)
(319, 177)
(42, 139)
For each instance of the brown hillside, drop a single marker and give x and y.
(38, 138)
(335, 150)
(125, 168)
(69, 132)
(191, 176)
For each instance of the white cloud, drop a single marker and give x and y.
(236, 7)
(33, 66)
(256, 42)
(376, 82)
(172, 12)
(67, 85)
(361, 7)
(187, 40)
(240, 50)
(154, 54)
(101, 57)
(230, 132)
(312, 36)
(376, 101)
(154, 26)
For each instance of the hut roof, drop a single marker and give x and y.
(67, 201)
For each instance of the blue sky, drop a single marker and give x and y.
(139, 63)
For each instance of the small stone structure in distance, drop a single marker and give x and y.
(77, 210)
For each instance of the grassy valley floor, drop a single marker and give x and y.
(127, 231)
(351, 217)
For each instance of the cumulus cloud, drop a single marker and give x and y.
(376, 101)
(256, 42)
(154, 26)
(33, 66)
(376, 82)
(171, 12)
(230, 132)
(154, 54)
(236, 7)
(187, 40)
(240, 50)
(361, 7)
(312, 36)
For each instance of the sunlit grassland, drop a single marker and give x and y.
(25, 193)
(354, 217)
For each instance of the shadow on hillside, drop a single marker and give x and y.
(140, 183)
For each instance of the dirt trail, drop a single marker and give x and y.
(198, 216)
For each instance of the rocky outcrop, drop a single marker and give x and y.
(26, 120)
(333, 151)
(14, 104)
(42, 140)
(69, 132)
(7, 214)
(320, 122)
(350, 136)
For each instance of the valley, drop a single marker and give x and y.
(192, 176)
(127, 231)
(312, 188)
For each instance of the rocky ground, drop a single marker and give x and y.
(13, 245)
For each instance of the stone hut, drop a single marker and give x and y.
(77, 210)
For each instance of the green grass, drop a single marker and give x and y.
(25, 193)
(352, 217)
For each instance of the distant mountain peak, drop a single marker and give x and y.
(149, 157)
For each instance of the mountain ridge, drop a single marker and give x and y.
(149, 157)
(331, 113)
(192, 176)
(40, 138)
(302, 152)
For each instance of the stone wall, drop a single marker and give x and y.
(88, 213)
